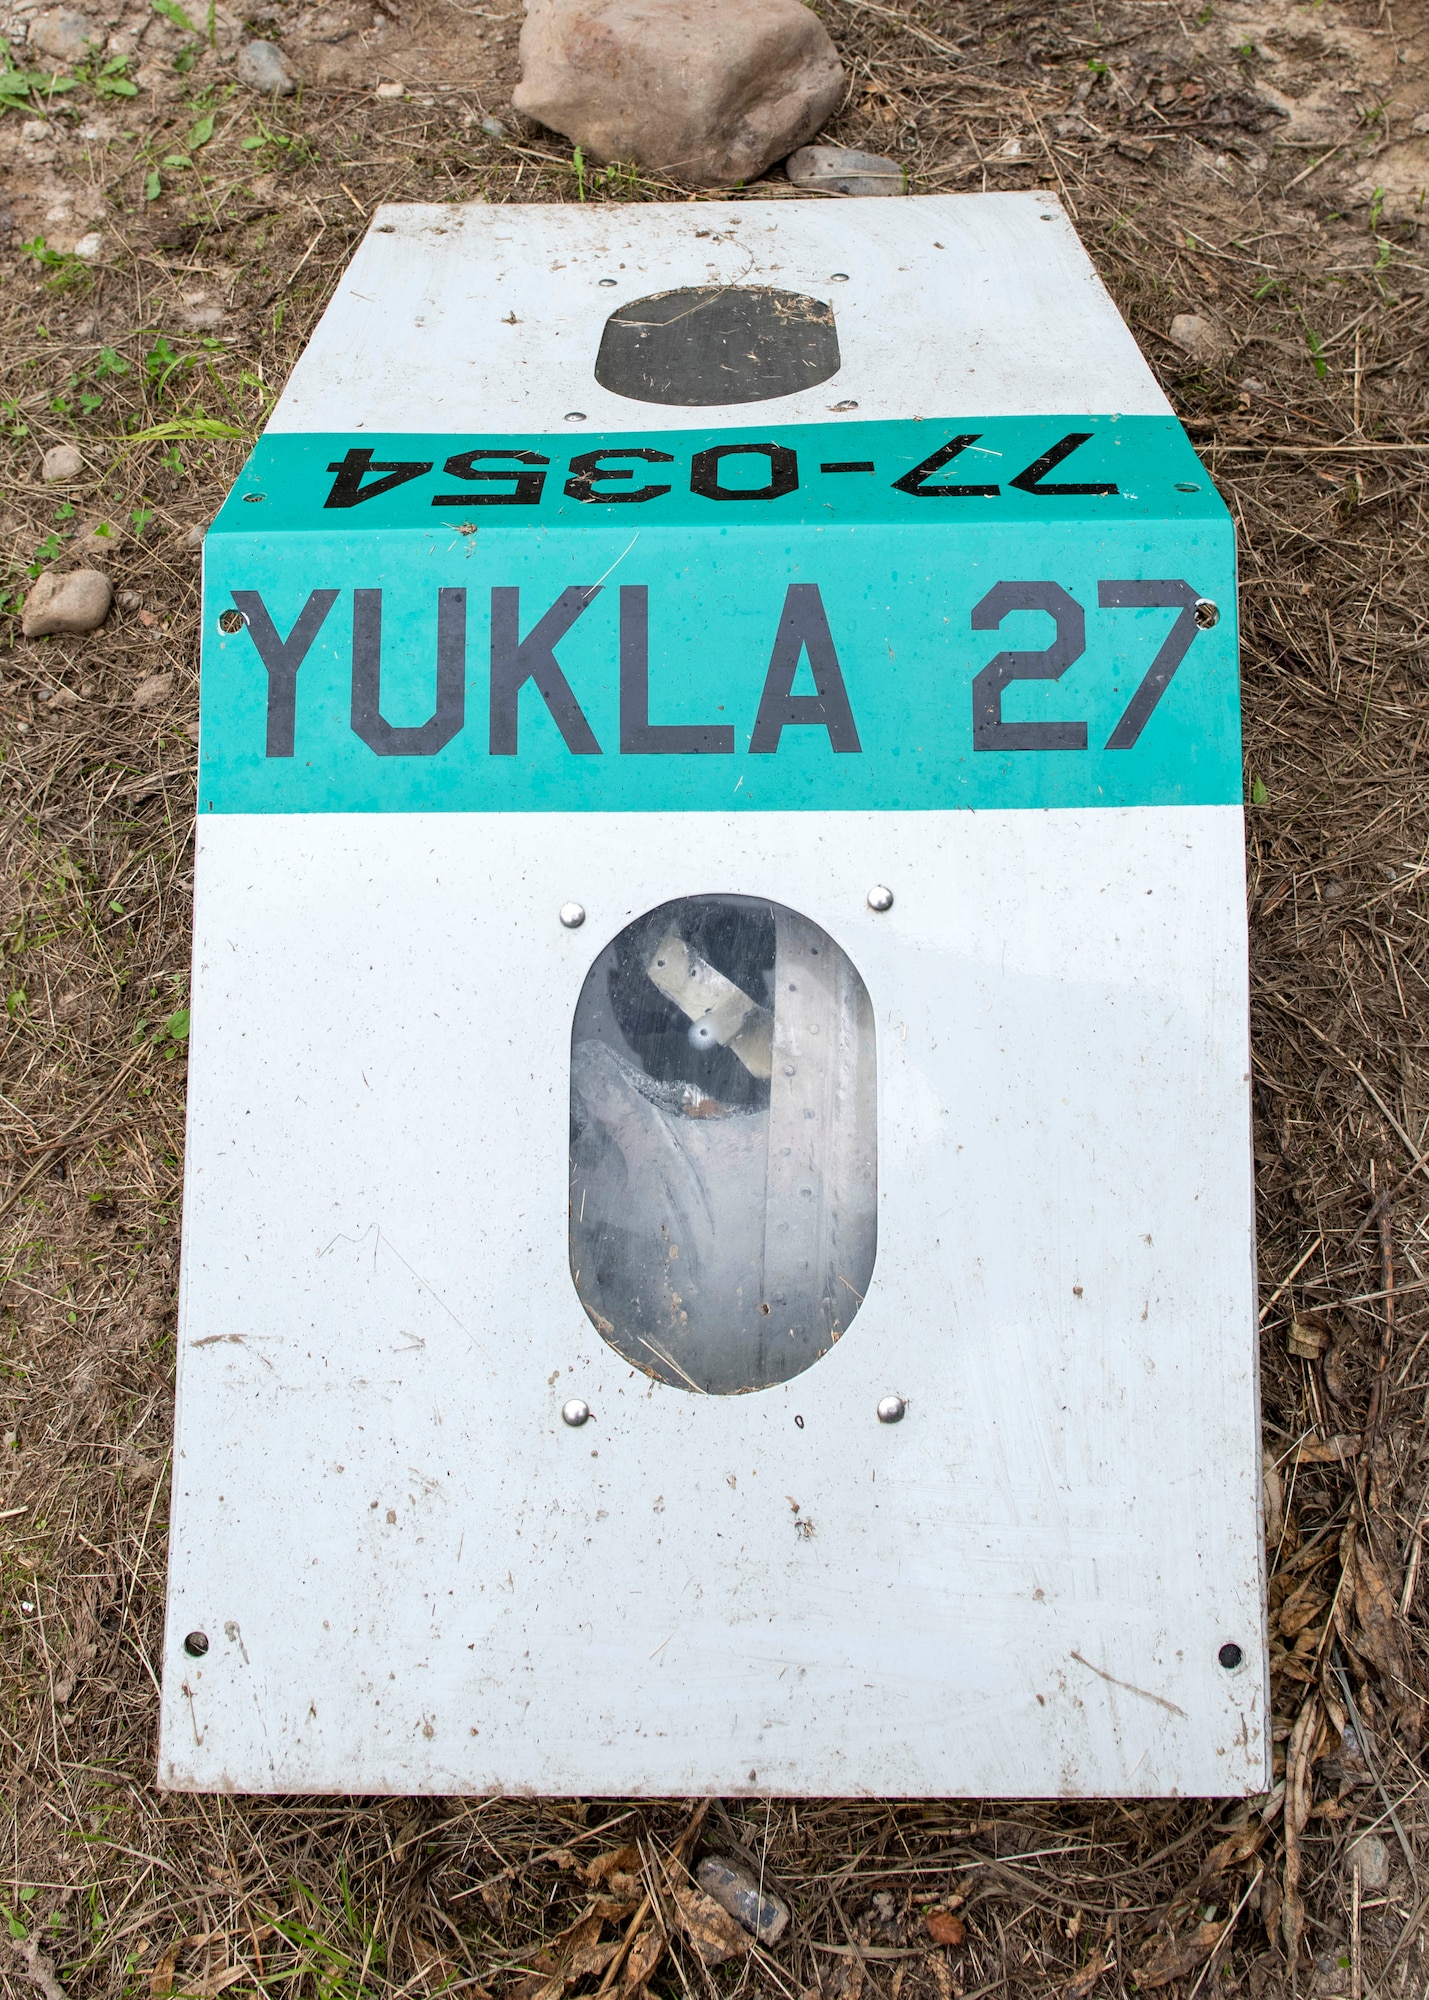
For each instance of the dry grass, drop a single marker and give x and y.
(1192, 196)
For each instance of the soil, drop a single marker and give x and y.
(168, 242)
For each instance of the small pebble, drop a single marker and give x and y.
(1371, 1855)
(90, 247)
(194, 538)
(129, 600)
(493, 128)
(62, 461)
(732, 1885)
(76, 600)
(843, 171)
(261, 66)
(390, 90)
(64, 35)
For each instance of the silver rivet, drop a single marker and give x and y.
(1207, 613)
(575, 416)
(575, 1413)
(607, 281)
(891, 1409)
(1187, 486)
(839, 277)
(572, 915)
(879, 898)
(254, 498)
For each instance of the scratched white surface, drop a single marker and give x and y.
(466, 317)
(415, 1578)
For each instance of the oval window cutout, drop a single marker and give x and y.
(707, 345)
(724, 1144)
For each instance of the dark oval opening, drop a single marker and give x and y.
(713, 344)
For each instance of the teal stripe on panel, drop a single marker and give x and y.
(889, 650)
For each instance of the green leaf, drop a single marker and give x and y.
(251, 144)
(173, 12)
(117, 86)
(111, 362)
(141, 517)
(1259, 796)
(153, 187)
(177, 1025)
(202, 132)
(177, 160)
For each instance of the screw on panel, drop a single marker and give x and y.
(196, 1645)
(838, 277)
(575, 1413)
(572, 915)
(1207, 613)
(1230, 1656)
(1187, 486)
(575, 416)
(879, 898)
(891, 1410)
(607, 281)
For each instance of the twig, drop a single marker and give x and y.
(1305, 172)
(681, 1849)
(1225, 1934)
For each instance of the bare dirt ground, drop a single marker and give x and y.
(1260, 164)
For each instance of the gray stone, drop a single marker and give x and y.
(493, 128)
(1200, 338)
(709, 90)
(1371, 1856)
(64, 35)
(842, 170)
(75, 600)
(737, 1889)
(262, 67)
(62, 461)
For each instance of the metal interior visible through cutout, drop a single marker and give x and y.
(709, 345)
(724, 1150)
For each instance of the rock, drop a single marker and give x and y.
(129, 600)
(262, 67)
(1198, 337)
(1371, 1856)
(194, 538)
(1421, 123)
(64, 35)
(736, 1889)
(493, 128)
(62, 461)
(76, 600)
(90, 246)
(841, 170)
(152, 690)
(390, 90)
(711, 90)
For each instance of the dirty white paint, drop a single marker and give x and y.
(414, 1577)
(489, 318)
